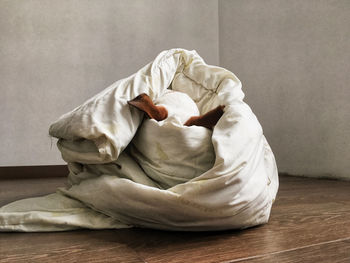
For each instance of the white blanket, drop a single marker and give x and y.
(155, 180)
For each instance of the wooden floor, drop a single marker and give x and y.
(310, 222)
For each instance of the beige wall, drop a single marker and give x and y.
(56, 54)
(293, 58)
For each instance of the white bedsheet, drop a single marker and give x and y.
(112, 186)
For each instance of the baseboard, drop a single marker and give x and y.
(27, 172)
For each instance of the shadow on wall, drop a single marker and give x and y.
(292, 57)
(55, 55)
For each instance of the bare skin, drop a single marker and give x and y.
(144, 103)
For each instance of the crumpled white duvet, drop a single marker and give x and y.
(128, 172)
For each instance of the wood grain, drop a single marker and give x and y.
(334, 252)
(74, 246)
(12, 190)
(310, 222)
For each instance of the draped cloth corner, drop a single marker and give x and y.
(108, 188)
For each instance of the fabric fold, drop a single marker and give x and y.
(115, 183)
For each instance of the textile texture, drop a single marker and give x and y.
(126, 171)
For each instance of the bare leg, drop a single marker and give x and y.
(144, 103)
(207, 120)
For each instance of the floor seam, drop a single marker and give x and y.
(287, 250)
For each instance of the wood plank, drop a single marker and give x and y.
(73, 246)
(335, 252)
(307, 213)
(25, 172)
(12, 190)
